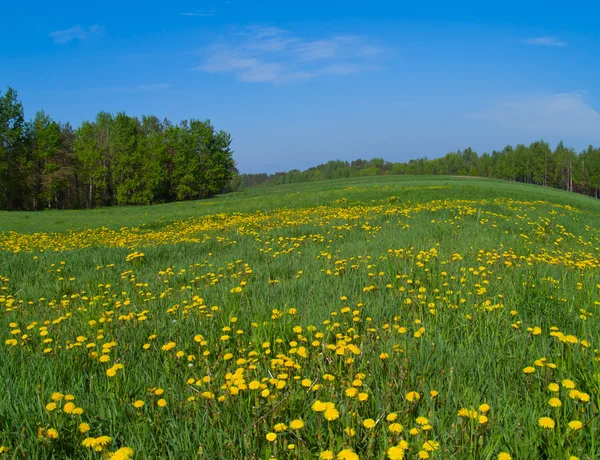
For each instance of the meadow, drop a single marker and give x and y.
(388, 317)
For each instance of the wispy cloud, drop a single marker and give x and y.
(544, 41)
(549, 115)
(201, 14)
(273, 55)
(75, 33)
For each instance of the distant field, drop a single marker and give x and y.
(386, 317)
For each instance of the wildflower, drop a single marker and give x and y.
(568, 384)
(484, 408)
(271, 437)
(347, 454)
(395, 453)
(124, 453)
(395, 428)
(69, 408)
(553, 387)
(84, 427)
(363, 397)
(138, 404)
(546, 422)
(88, 442)
(161, 402)
(51, 433)
(102, 441)
(504, 456)
(554, 402)
(529, 370)
(422, 421)
(575, 425)
(50, 406)
(326, 455)
(279, 427)
(351, 392)
(412, 396)
(296, 424)
(431, 446)
(391, 417)
(368, 423)
(331, 414)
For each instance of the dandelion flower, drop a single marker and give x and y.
(331, 414)
(347, 454)
(575, 425)
(271, 437)
(296, 424)
(395, 428)
(88, 442)
(504, 456)
(124, 453)
(395, 453)
(554, 402)
(368, 423)
(84, 427)
(546, 422)
(412, 396)
(392, 417)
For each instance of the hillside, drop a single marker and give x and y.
(385, 317)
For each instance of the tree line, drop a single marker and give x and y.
(113, 160)
(537, 163)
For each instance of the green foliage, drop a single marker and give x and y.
(112, 160)
(537, 164)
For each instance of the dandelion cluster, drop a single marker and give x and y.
(364, 327)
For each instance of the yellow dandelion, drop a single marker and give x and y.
(575, 425)
(546, 422)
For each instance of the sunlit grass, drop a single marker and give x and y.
(398, 317)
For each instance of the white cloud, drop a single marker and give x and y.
(269, 54)
(76, 32)
(544, 41)
(562, 115)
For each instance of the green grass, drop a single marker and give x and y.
(327, 266)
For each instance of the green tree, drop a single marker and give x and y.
(14, 163)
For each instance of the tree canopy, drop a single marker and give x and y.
(112, 160)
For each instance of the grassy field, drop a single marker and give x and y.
(392, 317)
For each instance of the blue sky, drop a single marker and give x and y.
(298, 83)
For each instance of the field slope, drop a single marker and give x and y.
(388, 317)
